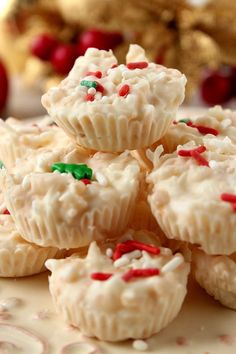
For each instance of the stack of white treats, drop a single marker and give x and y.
(109, 186)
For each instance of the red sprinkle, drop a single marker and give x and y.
(6, 212)
(199, 158)
(89, 97)
(97, 74)
(205, 130)
(227, 197)
(188, 153)
(137, 65)
(85, 181)
(131, 245)
(233, 206)
(231, 198)
(101, 276)
(121, 248)
(143, 247)
(114, 66)
(100, 88)
(124, 90)
(140, 273)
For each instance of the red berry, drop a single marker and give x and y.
(99, 39)
(3, 86)
(160, 58)
(216, 89)
(42, 46)
(233, 80)
(63, 58)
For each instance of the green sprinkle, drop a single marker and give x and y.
(186, 121)
(1, 165)
(78, 171)
(89, 84)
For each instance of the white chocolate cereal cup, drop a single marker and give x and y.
(57, 210)
(217, 275)
(116, 309)
(19, 258)
(21, 139)
(131, 109)
(186, 196)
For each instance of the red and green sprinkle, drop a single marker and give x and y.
(201, 128)
(79, 171)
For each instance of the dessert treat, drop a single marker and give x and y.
(192, 195)
(215, 123)
(114, 300)
(20, 139)
(106, 107)
(18, 257)
(70, 202)
(217, 274)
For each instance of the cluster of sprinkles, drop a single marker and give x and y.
(127, 248)
(94, 86)
(230, 198)
(80, 172)
(196, 154)
(201, 128)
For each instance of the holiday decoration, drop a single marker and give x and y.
(3, 86)
(195, 36)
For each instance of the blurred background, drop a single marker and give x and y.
(40, 40)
